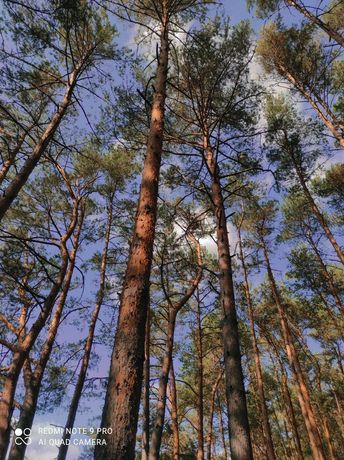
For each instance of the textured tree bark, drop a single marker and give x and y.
(22, 352)
(146, 382)
(174, 413)
(269, 446)
(240, 441)
(332, 33)
(303, 393)
(34, 378)
(125, 378)
(22, 176)
(73, 408)
(211, 414)
(199, 340)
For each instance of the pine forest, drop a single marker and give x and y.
(171, 229)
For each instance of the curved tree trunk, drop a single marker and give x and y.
(34, 378)
(21, 352)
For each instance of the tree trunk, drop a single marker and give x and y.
(303, 394)
(240, 441)
(327, 275)
(270, 452)
(146, 382)
(291, 416)
(174, 413)
(332, 33)
(173, 310)
(34, 379)
(222, 431)
(316, 210)
(73, 408)
(158, 425)
(21, 353)
(211, 414)
(22, 176)
(199, 340)
(328, 118)
(125, 378)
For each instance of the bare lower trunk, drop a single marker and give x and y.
(303, 393)
(270, 452)
(73, 408)
(222, 430)
(240, 441)
(291, 416)
(330, 448)
(125, 378)
(174, 413)
(200, 429)
(158, 425)
(146, 381)
(211, 414)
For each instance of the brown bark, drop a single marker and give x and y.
(330, 448)
(73, 408)
(270, 452)
(32, 160)
(125, 378)
(303, 393)
(332, 33)
(240, 441)
(174, 413)
(173, 309)
(21, 352)
(146, 382)
(199, 341)
(211, 414)
(34, 378)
